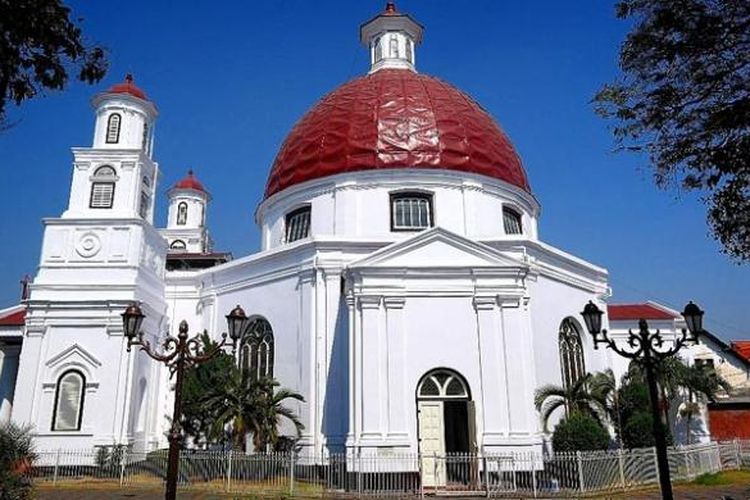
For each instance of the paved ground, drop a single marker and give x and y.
(682, 492)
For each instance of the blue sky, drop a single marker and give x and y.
(231, 78)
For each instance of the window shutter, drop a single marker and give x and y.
(102, 194)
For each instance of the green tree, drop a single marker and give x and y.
(701, 384)
(575, 398)
(580, 432)
(248, 405)
(39, 46)
(603, 387)
(683, 99)
(200, 380)
(16, 459)
(635, 415)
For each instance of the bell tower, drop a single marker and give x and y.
(186, 222)
(99, 256)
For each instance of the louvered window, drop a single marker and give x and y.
(145, 204)
(113, 128)
(103, 187)
(298, 224)
(511, 221)
(411, 211)
(69, 402)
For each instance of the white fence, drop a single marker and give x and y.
(512, 474)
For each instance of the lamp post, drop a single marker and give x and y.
(179, 353)
(646, 348)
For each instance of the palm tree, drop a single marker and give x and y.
(701, 383)
(575, 398)
(603, 387)
(16, 459)
(249, 405)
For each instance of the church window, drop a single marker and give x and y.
(411, 211)
(257, 349)
(511, 221)
(409, 51)
(298, 224)
(571, 353)
(68, 410)
(442, 384)
(393, 46)
(182, 210)
(113, 128)
(103, 187)
(145, 204)
(178, 245)
(378, 50)
(144, 140)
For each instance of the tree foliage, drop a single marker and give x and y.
(16, 458)
(684, 100)
(580, 432)
(635, 415)
(574, 399)
(39, 47)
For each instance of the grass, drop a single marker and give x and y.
(724, 478)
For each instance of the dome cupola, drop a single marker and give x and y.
(391, 38)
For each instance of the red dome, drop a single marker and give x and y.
(190, 182)
(395, 118)
(128, 87)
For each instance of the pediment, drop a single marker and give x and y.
(437, 247)
(73, 353)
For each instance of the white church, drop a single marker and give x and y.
(401, 285)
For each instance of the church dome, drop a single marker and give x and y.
(128, 87)
(395, 119)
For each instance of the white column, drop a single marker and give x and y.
(494, 399)
(371, 391)
(396, 394)
(8, 371)
(520, 363)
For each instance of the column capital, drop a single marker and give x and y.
(369, 301)
(485, 302)
(394, 302)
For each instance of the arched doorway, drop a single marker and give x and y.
(446, 421)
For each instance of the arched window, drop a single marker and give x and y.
(511, 221)
(571, 353)
(393, 48)
(443, 384)
(257, 350)
(182, 213)
(144, 139)
(178, 245)
(411, 211)
(409, 51)
(68, 410)
(113, 128)
(103, 187)
(378, 50)
(298, 224)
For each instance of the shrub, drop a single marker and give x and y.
(580, 432)
(16, 459)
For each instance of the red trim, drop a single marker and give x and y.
(16, 318)
(628, 312)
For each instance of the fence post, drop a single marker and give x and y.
(738, 453)
(421, 475)
(291, 472)
(579, 459)
(656, 464)
(533, 473)
(57, 466)
(621, 466)
(359, 472)
(687, 457)
(122, 466)
(229, 471)
(486, 476)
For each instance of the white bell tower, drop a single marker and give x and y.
(391, 38)
(186, 222)
(98, 257)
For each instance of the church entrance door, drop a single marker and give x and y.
(445, 416)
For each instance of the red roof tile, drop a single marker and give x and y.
(625, 312)
(15, 318)
(742, 347)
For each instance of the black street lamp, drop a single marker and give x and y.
(179, 353)
(646, 348)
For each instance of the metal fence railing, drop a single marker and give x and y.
(401, 475)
